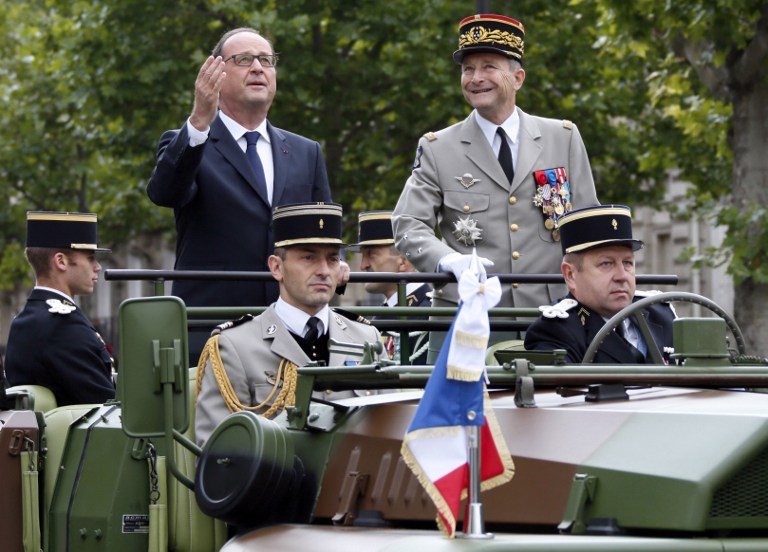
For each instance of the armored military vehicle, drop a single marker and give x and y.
(621, 458)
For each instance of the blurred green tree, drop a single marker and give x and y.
(87, 88)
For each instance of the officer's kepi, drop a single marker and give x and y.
(62, 230)
(597, 226)
(497, 34)
(374, 229)
(307, 223)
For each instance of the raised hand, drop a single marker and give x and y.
(207, 87)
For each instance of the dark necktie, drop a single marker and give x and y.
(313, 331)
(505, 155)
(253, 158)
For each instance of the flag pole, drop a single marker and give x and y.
(474, 524)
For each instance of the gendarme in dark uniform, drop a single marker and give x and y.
(377, 245)
(574, 321)
(51, 341)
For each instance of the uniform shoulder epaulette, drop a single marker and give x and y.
(231, 324)
(430, 136)
(351, 316)
(567, 124)
(558, 310)
(57, 306)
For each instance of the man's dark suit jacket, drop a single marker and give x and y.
(575, 333)
(222, 221)
(59, 350)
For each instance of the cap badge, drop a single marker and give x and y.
(615, 224)
(60, 307)
(321, 223)
(466, 231)
(467, 180)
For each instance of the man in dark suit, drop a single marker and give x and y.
(51, 342)
(379, 254)
(599, 269)
(222, 179)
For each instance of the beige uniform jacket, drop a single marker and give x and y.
(512, 228)
(251, 354)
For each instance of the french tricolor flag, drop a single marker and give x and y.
(435, 446)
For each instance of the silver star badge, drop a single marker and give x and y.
(466, 231)
(467, 180)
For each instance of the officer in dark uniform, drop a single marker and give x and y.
(379, 254)
(52, 342)
(599, 269)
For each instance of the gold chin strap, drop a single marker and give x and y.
(287, 372)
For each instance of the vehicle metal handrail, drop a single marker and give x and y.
(503, 319)
(123, 274)
(505, 377)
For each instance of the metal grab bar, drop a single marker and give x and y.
(397, 321)
(122, 274)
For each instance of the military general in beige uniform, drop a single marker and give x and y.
(497, 181)
(260, 355)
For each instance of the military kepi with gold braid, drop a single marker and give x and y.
(375, 228)
(306, 223)
(598, 226)
(60, 230)
(497, 34)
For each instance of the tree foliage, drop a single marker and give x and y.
(707, 85)
(87, 87)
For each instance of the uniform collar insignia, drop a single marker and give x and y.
(60, 307)
(272, 329)
(583, 314)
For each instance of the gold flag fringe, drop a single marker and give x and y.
(441, 505)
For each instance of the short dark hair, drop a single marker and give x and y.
(217, 50)
(39, 258)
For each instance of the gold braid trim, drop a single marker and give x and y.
(287, 371)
